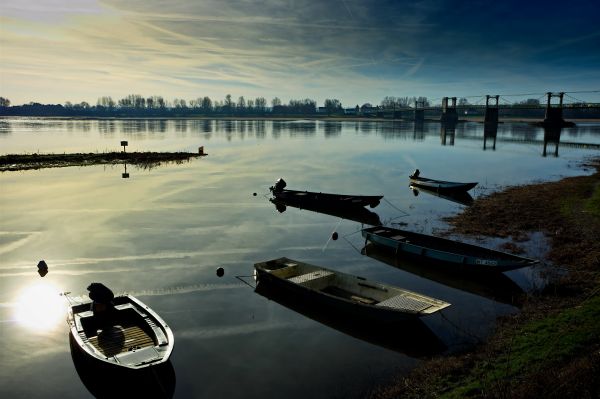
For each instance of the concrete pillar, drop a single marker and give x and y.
(554, 115)
(449, 112)
(491, 111)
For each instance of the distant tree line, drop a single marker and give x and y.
(135, 105)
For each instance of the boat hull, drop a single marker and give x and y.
(132, 337)
(465, 257)
(441, 185)
(326, 199)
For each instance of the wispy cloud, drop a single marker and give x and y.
(348, 49)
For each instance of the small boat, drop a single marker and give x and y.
(348, 295)
(120, 331)
(467, 257)
(358, 214)
(314, 198)
(498, 287)
(439, 185)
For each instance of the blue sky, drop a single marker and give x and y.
(357, 51)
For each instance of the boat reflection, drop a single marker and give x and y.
(460, 197)
(496, 286)
(410, 337)
(357, 214)
(106, 381)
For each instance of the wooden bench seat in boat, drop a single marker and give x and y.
(404, 302)
(304, 278)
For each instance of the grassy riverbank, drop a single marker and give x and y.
(14, 162)
(552, 347)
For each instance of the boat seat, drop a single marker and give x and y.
(404, 303)
(399, 237)
(304, 278)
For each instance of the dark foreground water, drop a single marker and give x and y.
(162, 233)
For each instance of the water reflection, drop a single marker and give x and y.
(496, 286)
(357, 214)
(460, 197)
(551, 136)
(40, 307)
(125, 175)
(447, 133)
(418, 132)
(411, 337)
(490, 132)
(332, 129)
(104, 381)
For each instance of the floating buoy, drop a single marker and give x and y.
(220, 272)
(334, 236)
(254, 194)
(42, 268)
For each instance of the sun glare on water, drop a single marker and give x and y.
(40, 307)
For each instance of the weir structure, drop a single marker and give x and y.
(419, 111)
(554, 114)
(490, 121)
(449, 111)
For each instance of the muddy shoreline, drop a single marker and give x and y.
(551, 348)
(16, 162)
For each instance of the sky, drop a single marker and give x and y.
(356, 51)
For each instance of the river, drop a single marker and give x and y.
(161, 233)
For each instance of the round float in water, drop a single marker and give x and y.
(220, 272)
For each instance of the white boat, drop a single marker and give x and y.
(124, 333)
(345, 293)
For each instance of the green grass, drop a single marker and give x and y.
(536, 346)
(592, 204)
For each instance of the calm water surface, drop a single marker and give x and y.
(162, 233)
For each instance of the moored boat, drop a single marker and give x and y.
(346, 294)
(439, 185)
(467, 257)
(317, 198)
(119, 330)
(498, 287)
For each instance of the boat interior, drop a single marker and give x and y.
(126, 330)
(353, 288)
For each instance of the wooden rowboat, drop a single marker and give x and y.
(467, 257)
(319, 199)
(127, 334)
(349, 295)
(439, 185)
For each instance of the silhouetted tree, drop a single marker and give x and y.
(260, 104)
(4, 102)
(333, 106)
(206, 105)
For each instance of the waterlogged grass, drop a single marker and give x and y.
(530, 349)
